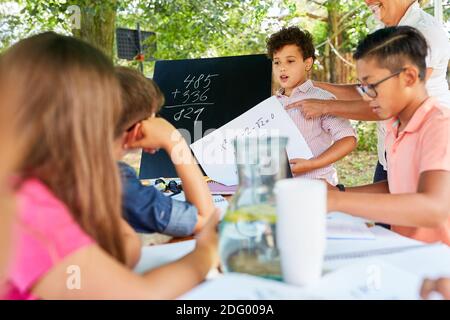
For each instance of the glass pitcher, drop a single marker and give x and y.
(247, 232)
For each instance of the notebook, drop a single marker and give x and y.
(218, 188)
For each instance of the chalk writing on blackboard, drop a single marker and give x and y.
(193, 98)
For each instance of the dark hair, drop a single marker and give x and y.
(291, 35)
(140, 97)
(392, 46)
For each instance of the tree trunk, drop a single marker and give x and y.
(97, 25)
(333, 18)
(326, 63)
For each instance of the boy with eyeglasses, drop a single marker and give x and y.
(414, 200)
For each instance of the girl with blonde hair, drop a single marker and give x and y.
(71, 241)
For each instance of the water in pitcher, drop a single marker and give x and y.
(247, 233)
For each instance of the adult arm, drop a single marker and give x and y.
(340, 91)
(348, 109)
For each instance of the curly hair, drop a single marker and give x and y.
(291, 35)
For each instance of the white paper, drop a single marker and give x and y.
(431, 261)
(158, 255)
(215, 151)
(373, 279)
(384, 239)
(344, 230)
(390, 276)
(337, 215)
(219, 202)
(234, 286)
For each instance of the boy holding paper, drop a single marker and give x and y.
(329, 138)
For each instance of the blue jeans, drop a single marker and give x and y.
(148, 210)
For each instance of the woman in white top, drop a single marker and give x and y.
(350, 104)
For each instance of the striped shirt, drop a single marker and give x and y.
(321, 132)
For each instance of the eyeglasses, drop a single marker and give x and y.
(369, 89)
(172, 186)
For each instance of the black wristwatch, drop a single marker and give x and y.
(341, 187)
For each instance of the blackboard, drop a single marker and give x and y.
(205, 94)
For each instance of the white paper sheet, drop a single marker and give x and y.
(372, 279)
(393, 276)
(219, 202)
(431, 261)
(235, 286)
(158, 255)
(215, 151)
(345, 230)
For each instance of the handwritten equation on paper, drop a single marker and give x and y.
(193, 97)
(248, 131)
(215, 152)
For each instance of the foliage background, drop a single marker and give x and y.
(209, 28)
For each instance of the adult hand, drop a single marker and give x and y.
(311, 108)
